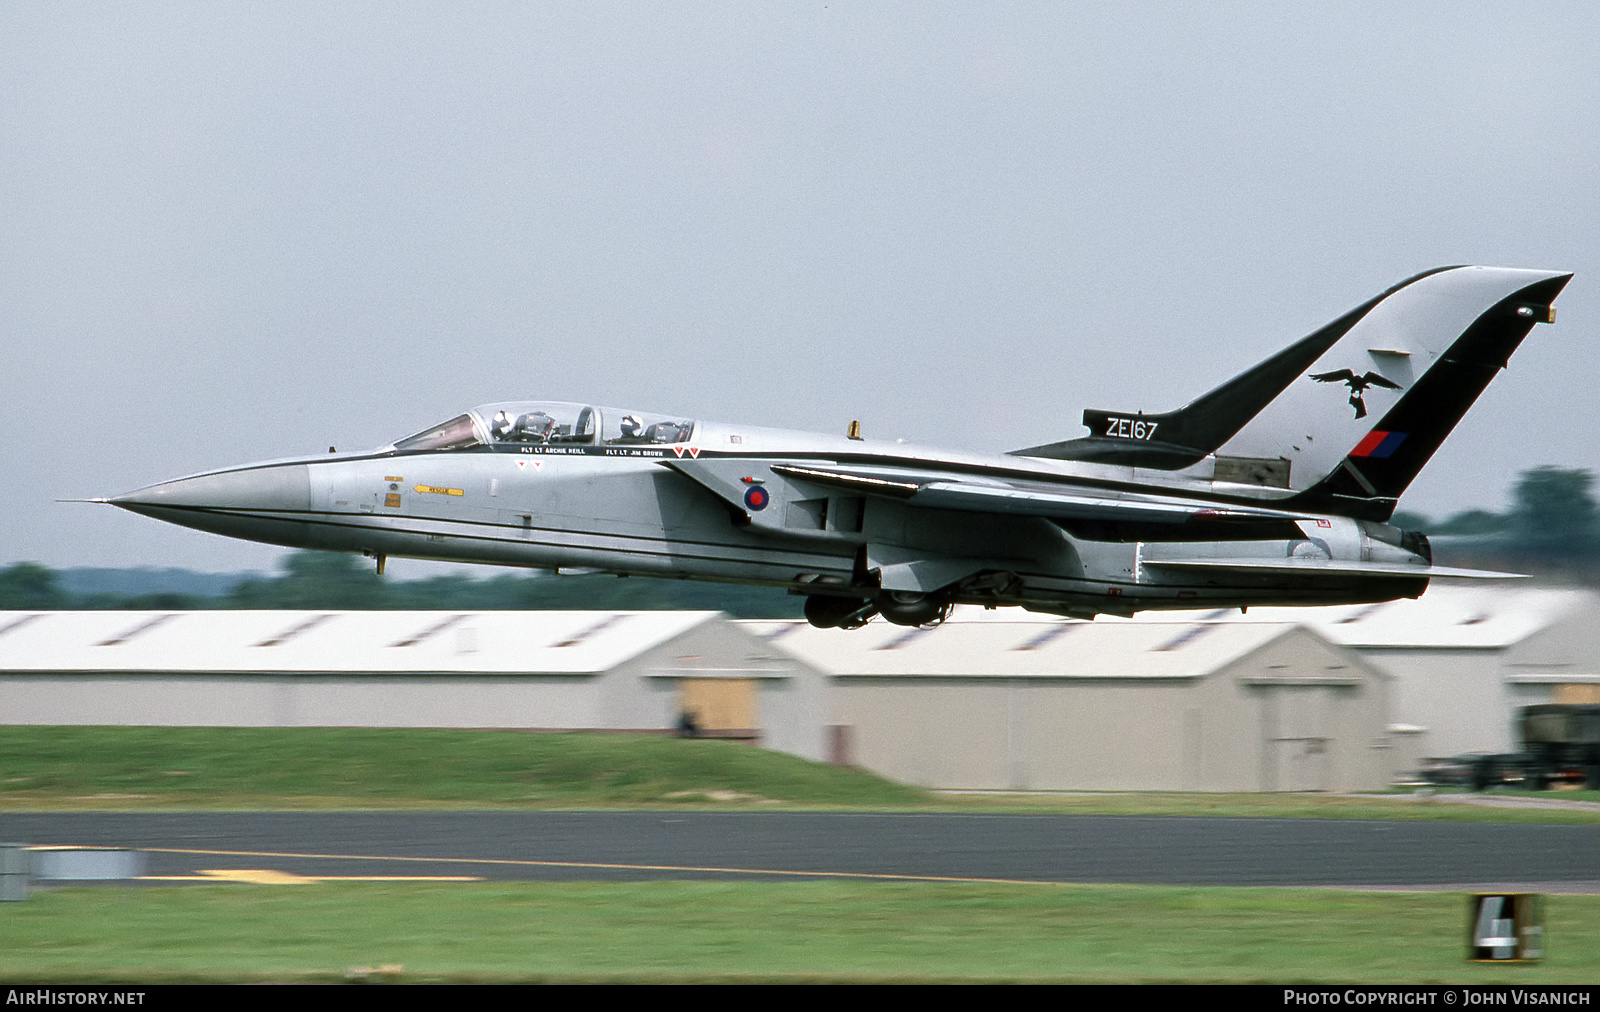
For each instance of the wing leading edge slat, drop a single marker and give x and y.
(936, 493)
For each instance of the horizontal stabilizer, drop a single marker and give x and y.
(1328, 566)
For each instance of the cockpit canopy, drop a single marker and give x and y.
(543, 423)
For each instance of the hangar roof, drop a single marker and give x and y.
(1446, 617)
(1036, 648)
(1007, 642)
(543, 642)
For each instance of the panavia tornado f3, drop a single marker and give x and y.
(1274, 488)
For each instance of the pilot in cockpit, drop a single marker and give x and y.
(634, 430)
(535, 427)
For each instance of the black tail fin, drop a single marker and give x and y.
(1179, 438)
(1383, 463)
(1347, 417)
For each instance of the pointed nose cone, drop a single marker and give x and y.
(259, 503)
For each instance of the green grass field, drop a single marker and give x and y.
(344, 768)
(247, 767)
(758, 931)
(685, 931)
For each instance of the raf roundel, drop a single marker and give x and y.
(756, 498)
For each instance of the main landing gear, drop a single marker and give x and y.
(898, 606)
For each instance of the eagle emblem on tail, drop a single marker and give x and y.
(1358, 386)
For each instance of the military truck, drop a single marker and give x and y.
(1560, 744)
(1560, 748)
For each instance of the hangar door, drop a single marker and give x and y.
(1576, 692)
(719, 704)
(1298, 737)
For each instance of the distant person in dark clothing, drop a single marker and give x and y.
(688, 727)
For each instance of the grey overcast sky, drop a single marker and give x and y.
(231, 232)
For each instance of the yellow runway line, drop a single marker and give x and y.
(606, 866)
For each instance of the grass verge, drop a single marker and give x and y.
(313, 767)
(191, 768)
(758, 931)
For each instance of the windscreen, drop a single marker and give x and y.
(457, 432)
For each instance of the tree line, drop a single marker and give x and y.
(332, 580)
(1553, 521)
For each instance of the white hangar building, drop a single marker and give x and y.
(1009, 701)
(544, 670)
(1464, 656)
(1276, 699)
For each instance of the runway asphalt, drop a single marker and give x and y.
(617, 846)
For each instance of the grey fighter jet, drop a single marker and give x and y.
(1263, 491)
